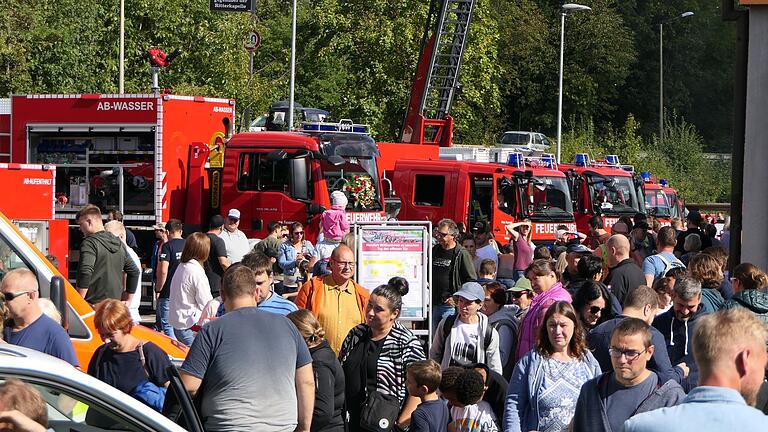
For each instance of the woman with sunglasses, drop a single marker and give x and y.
(545, 384)
(592, 303)
(295, 253)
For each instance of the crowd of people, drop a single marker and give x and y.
(619, 331)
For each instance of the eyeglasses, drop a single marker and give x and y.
(630, 355)
(345, 264)
(10, 296)
(594, 310)
(518, 294)
(298, 233)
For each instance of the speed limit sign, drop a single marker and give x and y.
(252, 40)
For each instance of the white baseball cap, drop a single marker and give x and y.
(234, 214)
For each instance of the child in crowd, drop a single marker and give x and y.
(423, 379)
(469, 413)
(334, 225)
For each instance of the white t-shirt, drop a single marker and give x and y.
(474, 418)
(133, 308)
(237, 245)
(464, 343)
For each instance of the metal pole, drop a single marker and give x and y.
(121, 61)
(293, 67)
(560, 86)
(661, 82)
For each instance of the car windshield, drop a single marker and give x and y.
(515, 138)
(613, 194)
(358, 176)
(657, 204)
(672, 199)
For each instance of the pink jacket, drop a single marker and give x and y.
(334, 223)
(534, 318)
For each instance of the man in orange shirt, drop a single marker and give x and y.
(335, 300)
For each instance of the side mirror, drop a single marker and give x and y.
(59, 299)
(336, 160)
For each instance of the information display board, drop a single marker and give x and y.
(391, 249)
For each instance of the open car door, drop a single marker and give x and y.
(179, 406)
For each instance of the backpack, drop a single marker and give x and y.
(515, 326)
(451, 320)
(669, 265)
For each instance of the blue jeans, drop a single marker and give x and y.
(185, 336)
(519, 274)
(508, 283)
(161, 318)
(439, 312)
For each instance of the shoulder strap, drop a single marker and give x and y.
(143, 359)
(447, 325)
(488, 335)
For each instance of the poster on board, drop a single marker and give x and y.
(386, 252)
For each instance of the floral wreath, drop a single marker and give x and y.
(361, 190)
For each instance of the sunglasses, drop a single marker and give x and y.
(594, 310)
(442, 234)
(233, 219)
(298, 233)
(10, 296)
(518, 294)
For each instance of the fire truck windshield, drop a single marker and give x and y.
(613, 194)
(358, 176)
(657, 204)
(544, 198)
(674, 205)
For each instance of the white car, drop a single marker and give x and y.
(525, 140)
(77, 402)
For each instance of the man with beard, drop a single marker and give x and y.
(729, 347)
(678, 324)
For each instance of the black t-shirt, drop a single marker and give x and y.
(171, 253)
(621, 402)
(212, 266)
(441, 273)
(123, 370)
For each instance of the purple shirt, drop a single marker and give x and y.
(535, 316)
(523, 253)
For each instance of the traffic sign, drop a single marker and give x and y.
(252, 40)
(232, 5)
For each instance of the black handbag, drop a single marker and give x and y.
(380, 410)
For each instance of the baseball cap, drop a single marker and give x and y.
(159, 227)
(522, 284)
(216, 221)
(234, 214)
(694, 216)
(480, 226)
(578, 248)
(471, 291)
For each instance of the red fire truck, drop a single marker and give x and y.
(601, 187)
(466, 191)
(656, 201)
(677, 204)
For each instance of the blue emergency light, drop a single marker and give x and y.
(646, 175)
(664, 182)
(548, 160)
(612, 160)
(582, 159)
(515, 160)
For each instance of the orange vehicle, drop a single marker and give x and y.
(29, 232)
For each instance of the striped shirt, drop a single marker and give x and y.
(401, 348)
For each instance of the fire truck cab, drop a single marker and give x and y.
(601, 187)
(676, 203)
(656, 201)
(465, 191)
(289, 176)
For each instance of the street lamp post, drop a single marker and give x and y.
(293, 68)
(661, 69)
(568, 7)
